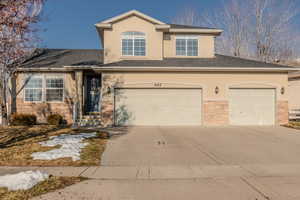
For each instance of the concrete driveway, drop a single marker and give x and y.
(223, 163)
(167, 146)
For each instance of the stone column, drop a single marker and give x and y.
(79, 92)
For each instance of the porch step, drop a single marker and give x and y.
(89, 121)
(91, 117)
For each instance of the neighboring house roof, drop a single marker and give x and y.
(60, 58)
(294, 75)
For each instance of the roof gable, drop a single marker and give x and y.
(128, 14)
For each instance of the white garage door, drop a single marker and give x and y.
(158, 107)
(252, 106)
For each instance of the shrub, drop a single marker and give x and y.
(23, 119)
(55, 119)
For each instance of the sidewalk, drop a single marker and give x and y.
(249, 182)
(165, 172)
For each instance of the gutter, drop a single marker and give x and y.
(196, 69)
(43, 69)
(207, 31)
(159, 69)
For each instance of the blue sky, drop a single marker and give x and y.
(70, 23)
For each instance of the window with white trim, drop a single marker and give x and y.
(39, 88)
(133, 44)
(34, 89)
(186, 46)
(54, 89)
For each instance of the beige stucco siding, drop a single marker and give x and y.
(215, 106)
(156, 47)
(205, 46)
(294, 94)
(43, 109)
(206, 80)
(112, 39)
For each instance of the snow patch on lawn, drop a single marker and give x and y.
(22, 180)
(71, 146)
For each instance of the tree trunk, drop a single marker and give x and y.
(4, 113)
(13, 95)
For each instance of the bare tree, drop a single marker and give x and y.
(188, 16)
(273, 27)
(17, 42)
(259, 29)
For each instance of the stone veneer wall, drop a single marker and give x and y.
(215, 113)
(107, 99)
(42, 110)
(282, 112)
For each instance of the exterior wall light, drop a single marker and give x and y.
(217, 90)
(282, 90)
(109, 90)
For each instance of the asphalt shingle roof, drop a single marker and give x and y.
(58, 58)
(218, 61)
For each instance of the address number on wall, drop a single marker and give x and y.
(157, 84)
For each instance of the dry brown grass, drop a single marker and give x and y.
(49, 185)
(295, 125)
(18, 153)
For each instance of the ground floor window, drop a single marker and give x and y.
(34, 89)
(49, 88)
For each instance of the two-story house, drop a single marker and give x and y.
(150, 73)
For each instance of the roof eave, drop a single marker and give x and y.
(162, 26)
(129, 13)
(189, 30)
(103, 26)
(194, 69)
(43, 69)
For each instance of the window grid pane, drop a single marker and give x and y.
(127, 47)
(133, 44)
(187, 47)
(34, 89)
(54, 89)
(55, 83)
(54, 94)
(33, 95)
(192, 47)
(34, 83)
(180, 47)
(139, 47)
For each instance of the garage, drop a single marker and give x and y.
(158, 107)
(252, 106)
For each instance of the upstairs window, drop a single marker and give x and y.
(186, 46)
(133, 44)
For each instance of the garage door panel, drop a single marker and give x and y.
(158, 107)
(252, 106)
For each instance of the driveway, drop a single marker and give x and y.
(169, 146)
(223, 163)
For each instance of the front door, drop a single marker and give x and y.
(93, 91)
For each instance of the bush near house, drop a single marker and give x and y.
(55, 119)
(23, 119)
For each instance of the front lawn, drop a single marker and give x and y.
(295, 125)
(18, 143)
(49, 185)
